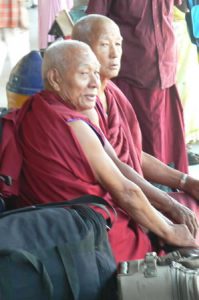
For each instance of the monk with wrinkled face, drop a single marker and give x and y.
(104, 38)
(73, 74)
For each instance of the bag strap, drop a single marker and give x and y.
(70, 270)
(66, 253)
(86, 199)
(26, 257)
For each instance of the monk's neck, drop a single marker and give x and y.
(102, 95)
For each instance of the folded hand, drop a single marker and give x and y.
(179, 235)
(181, 214)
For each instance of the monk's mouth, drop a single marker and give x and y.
(114, 67)
(91, 97)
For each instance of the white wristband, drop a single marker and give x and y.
(182, 182)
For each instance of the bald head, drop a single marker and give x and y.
(71, 70)
(103, 36)
(61, 54)
(90, 27)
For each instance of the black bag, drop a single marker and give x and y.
(192, 19)
(170, 277)
(50, 252)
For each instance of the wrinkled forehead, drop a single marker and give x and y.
(81, 58)
(108, 30)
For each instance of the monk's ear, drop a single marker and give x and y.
(54, 79)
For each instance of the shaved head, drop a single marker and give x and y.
(103, 36)
(71, 70)
(88, 28)
(61, 54)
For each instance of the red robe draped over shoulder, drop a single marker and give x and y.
(121, 127)
(55, 168)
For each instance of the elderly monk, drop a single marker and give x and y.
(148, 71)
(65, 155)
(118, 122)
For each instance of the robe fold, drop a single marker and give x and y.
(121, 127)
(55, 168)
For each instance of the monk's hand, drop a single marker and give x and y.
(190, 185)
(181, 214)
(179, 235)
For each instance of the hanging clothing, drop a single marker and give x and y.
(47, 11)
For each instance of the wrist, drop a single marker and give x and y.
(169, 204)
(182, 182)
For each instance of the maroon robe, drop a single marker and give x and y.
(148, 72)
(10, 155)
(55, 168)
(121, 128)
(160, 116)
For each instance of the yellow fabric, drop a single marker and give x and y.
(187, 76)
(16, 100)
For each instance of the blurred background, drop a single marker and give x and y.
(34, 45)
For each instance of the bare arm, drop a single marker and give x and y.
(159, 199)
(163, 174)
(168, 176)
(126, 194)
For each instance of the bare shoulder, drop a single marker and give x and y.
(105, 170)
(85, 133)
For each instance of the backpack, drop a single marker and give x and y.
(192, 19)
(56, 251)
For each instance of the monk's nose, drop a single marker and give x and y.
(113, 51)
(94, 80)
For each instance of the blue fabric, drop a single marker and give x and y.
(26, 77)
(195, 20)
(192, 18)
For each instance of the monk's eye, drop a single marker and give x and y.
(104, 44)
